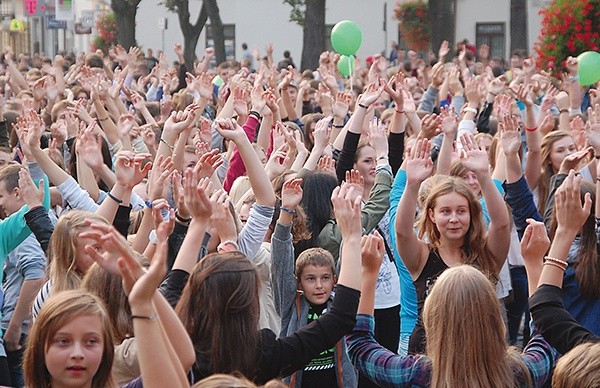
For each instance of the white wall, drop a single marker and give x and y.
(470, 12)
(258, 22)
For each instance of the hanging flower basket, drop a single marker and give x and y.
(413, 23)
(107, 33)
(569, 27)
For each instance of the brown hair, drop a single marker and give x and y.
(547, 170)
(318, 257)
(580, 367)
(109, 289)
(9, 174)
(220, 310)
(62, 249)
(59, 310)
(462, 308)
(475, 249)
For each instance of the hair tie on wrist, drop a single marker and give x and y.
(152, 317)
(531, 129)
(363, 106)
(117, 200)
(183, 220)
(285, 209)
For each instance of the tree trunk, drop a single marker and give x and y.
(191, 32)
(314, 34)
(125, 12)
(441, 21)
(216, 28)
(518, 25)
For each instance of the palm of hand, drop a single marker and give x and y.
(511, 142)
(291, 197)
(409, 104)
(593, 136)
(417, 170)
(476, 160)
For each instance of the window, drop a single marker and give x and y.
(229, 34)
(492, 34)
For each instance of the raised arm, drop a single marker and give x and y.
(498, 239)
(263, 190)
(418, 168)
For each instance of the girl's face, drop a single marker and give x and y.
(366, 163)
(471, 179)
(74, 353)
(451, 216)
(560, 150)
(83, 261)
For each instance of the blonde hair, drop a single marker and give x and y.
(475, 249)
(462, 308)
(59, 310)
(580, 367)
(547, 170)
(62, 249)
(233, 381)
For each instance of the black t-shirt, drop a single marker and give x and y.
(320, 371)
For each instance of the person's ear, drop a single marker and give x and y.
(299, 285)
(334, 279)
(431, 216)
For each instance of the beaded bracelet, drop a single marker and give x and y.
(551, 260)
(285, 209)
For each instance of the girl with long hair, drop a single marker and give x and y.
(67, 259)
(466, 340)
(219, 305)
(71, 342)
(450, 227)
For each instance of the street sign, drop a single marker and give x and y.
(53, 24)
(163, 23)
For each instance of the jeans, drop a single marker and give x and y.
(518, 306)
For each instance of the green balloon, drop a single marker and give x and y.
(346, 65)
(588, 68)
(217, 80)
(346, 37)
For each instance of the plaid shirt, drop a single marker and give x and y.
(391, 370)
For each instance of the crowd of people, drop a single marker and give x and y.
(421, 223)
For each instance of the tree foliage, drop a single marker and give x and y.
(569, 27)
(298, 11)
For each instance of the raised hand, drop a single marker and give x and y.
(163, 225)
(158, 175)
(322, 132)
(572, 161)
(89, 149)
(130, 168)
(592, 128)
(230, 130)
(291, 193)
(372, 249)
(195, 193)
(535, 242)
(347, 209)
(474, 158)
(372, 93)
(356, 182)
(449, 122)
(378, 138)
(419, 165)
(208, 163)
(571, 214)
(510, 137)
(33, 196)
(327, 165)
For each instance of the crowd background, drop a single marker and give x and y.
(248, 223)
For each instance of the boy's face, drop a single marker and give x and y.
(317, 283)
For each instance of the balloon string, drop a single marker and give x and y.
(350, 72)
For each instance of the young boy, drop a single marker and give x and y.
(301, 299)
